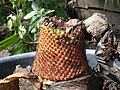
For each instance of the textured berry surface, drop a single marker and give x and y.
(60, 57)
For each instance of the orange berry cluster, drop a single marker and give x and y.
(60, 56)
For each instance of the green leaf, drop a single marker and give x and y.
(31, 27)
(40, 12)
(33, 30)
(22, 29)
(29, 37)
(13, 18)
(20, 48)
(31, 14)
(30, 0)
(20, 15)
(38, 24)
(49, 11)
(34, 19)
(20, 34)
(34, 6)
(10, 16)
(8, 42)
(9, 24)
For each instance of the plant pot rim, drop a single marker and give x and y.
(23, 56)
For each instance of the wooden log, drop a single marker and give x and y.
(86, 81)
(113, 18)
(98, 4)
(13, 85)
(97, 24)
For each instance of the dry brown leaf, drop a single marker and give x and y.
(16, 76)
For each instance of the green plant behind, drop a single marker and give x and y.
(24, 22)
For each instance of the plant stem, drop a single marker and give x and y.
(23, 40)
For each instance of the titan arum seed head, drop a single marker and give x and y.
(60, 52)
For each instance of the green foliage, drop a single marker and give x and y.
(4, 10)
(25, 19)
(9, 41)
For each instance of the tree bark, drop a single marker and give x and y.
(86, 81)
